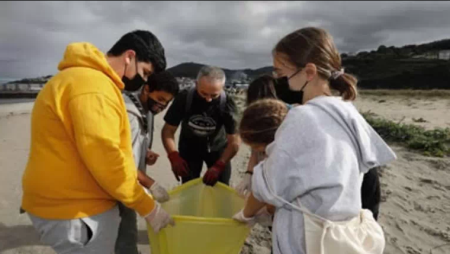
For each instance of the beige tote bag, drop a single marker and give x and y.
(359, 235)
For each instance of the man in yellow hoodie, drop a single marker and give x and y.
(81, 160)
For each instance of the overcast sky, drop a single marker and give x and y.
(33, 35)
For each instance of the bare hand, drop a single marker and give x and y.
(151, 157)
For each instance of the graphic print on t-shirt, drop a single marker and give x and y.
(202, 125)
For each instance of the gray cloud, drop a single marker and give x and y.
(33, 35)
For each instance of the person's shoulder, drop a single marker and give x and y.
(86, 77)
(332, 105)
(126, 99)
(301, 118)
(182, 95)
(130, 107)
(314, 106)
(230, 100)
(329, 100)
(132, 116)
(78, 81)
(300, 112)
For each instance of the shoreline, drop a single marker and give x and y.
(9, 101)
(15, 107)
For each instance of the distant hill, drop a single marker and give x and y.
(400, 73)
(408, 51)
(424, 66)
(407, 67)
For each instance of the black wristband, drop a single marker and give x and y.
(248, 172)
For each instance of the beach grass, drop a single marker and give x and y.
(434, 142)
(406, 93)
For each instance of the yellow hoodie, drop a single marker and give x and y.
(81, 158)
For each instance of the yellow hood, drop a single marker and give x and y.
(84, 54)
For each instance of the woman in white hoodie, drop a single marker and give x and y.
(320, 151)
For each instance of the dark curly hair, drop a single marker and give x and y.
(261, 120)
(163, 81)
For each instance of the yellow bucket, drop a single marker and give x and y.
(203, 223)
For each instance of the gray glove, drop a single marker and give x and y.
(159, 218)
(159, 193)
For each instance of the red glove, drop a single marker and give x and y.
(180, 167)
(212, 175)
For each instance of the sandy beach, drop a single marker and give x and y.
(415, 212)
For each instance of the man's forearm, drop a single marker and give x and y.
(231, 150)
(168, 138)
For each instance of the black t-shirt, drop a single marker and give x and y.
(204, 124)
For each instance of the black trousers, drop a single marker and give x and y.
(371, 192)
(195, 160)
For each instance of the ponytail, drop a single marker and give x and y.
(345, 84)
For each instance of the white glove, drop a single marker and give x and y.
(245, 185)
(262, 217)
(159, 193)
(159, 218)
(241, 218)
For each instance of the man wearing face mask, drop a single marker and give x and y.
(154, 97)
(81, 159)
(208, 130)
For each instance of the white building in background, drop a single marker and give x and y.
(185, 83)
(36, 87)
(444, 54)
(21, 87)
(438, 54)
(10, 87)
(239, 76)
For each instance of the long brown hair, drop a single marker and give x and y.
(315, 45)
(261, 120)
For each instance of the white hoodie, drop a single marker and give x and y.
(319, 153)
(140, 139)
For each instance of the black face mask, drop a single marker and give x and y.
(285, 93)
(134, 84)
(202, 102)
(154, 106)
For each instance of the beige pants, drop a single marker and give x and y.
(95, 234)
